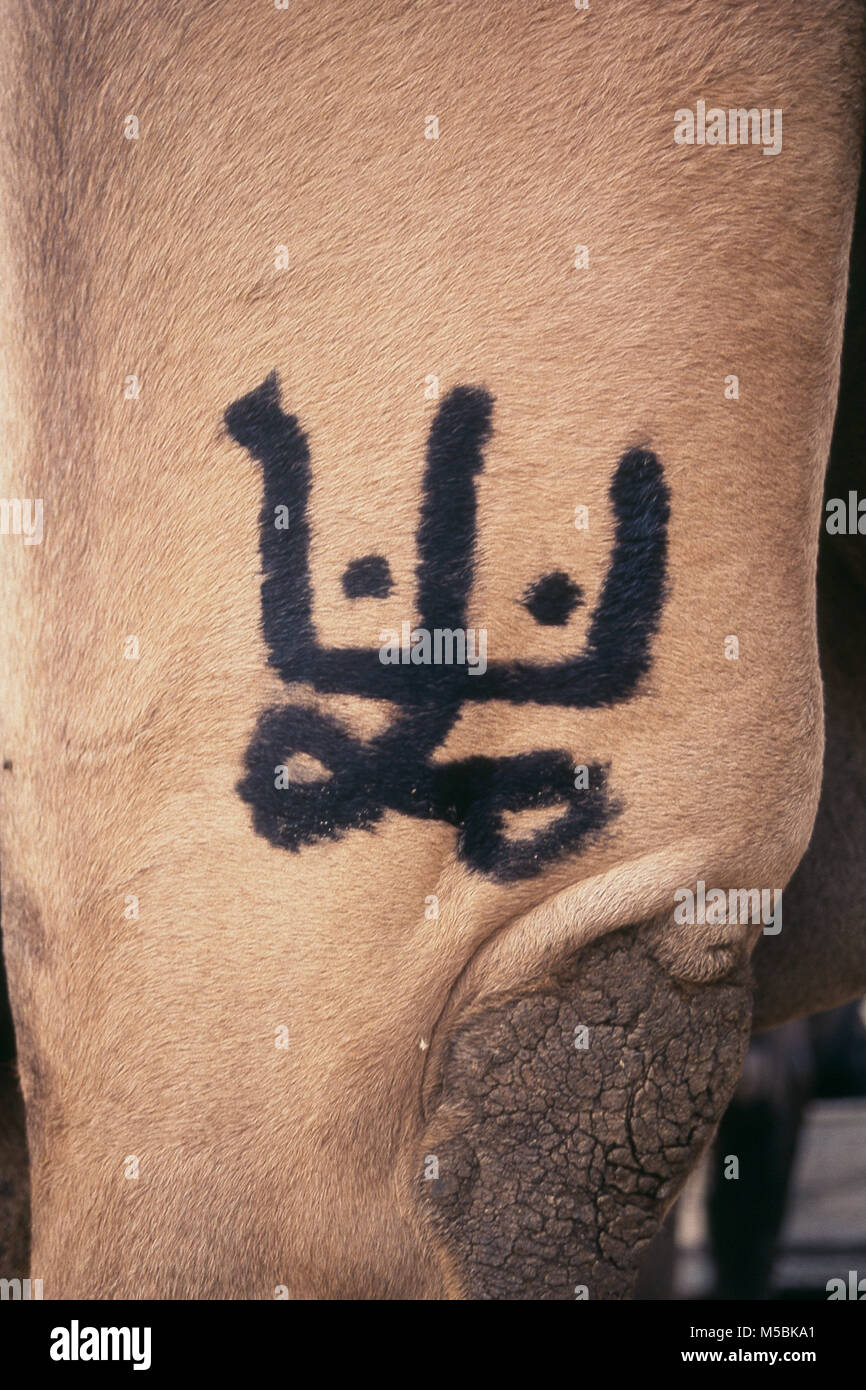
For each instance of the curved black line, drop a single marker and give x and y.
(617, 650)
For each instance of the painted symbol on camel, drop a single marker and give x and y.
(395, 771)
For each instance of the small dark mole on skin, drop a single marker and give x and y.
(7, 765)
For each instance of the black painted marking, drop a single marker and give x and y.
(368, 577)
(552, 599)
(277, 441)
(395, 770)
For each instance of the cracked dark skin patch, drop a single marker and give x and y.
(395, 771)
(557, 1164)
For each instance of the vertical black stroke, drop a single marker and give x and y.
(446, 525)
(258, 423)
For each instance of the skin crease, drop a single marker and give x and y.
(409, 1034)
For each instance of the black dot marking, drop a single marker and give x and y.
(7, 766)
(368, 577)
(552, 599)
